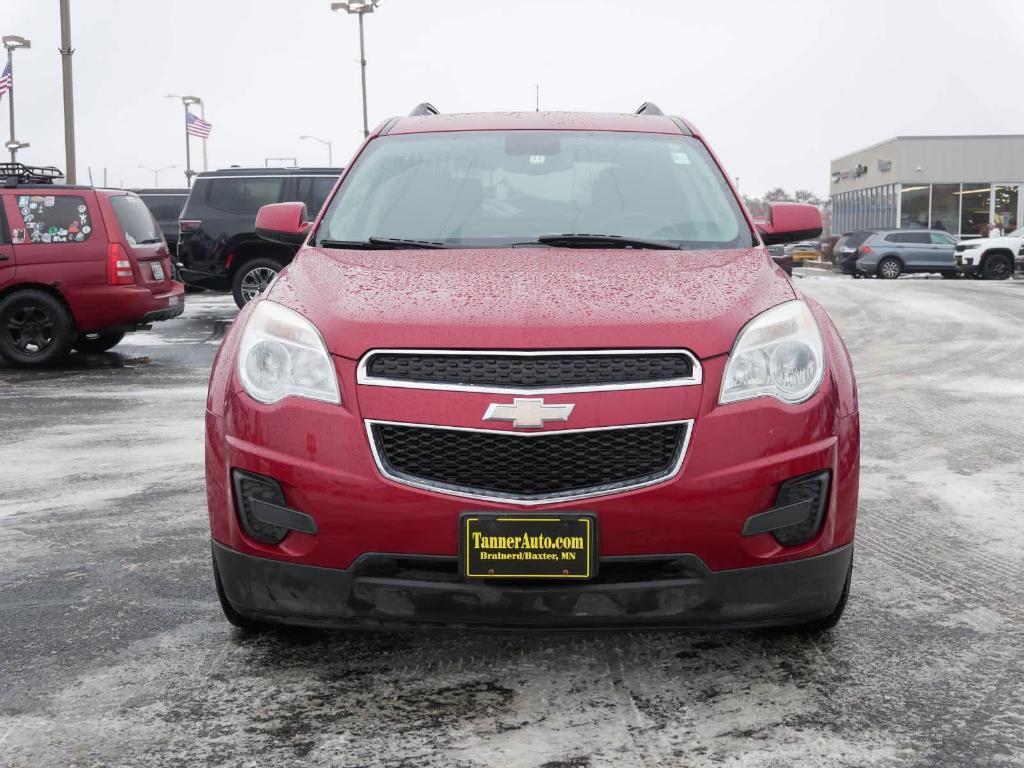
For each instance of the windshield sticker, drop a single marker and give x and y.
(23, 200)
(48, 201)
(18, 236)
(680, 158)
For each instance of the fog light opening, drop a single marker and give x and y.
(812, 492)
(249, 486)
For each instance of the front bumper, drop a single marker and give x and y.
(385, 590)
(967, 263)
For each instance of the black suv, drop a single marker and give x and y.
(218, 247)
(166, 206)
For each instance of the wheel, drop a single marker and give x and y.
(252, 278)
(234, 617)
(889, 268)
(35, 329)
(827, 622)
(97, 342)
(998, 267)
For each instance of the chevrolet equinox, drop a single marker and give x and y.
(533, 370)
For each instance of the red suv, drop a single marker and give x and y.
(79, 267)
(540, 370)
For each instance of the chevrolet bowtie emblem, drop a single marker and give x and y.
(527, 412)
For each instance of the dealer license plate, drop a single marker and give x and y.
(517, 546)
(158, 270)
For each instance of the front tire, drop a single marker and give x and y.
(890, 268)
(252, 278)
(234, 617)
(35, 329)
(998, 267)
(828, 622)
(93, 343)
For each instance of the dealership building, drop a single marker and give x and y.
(959, 184)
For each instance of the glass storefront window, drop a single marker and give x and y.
(1005, 213)
(914, 207)
(974, 205)
(946, 207)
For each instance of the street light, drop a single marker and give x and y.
(10, 43)
(330, 157)
(360, 7)
(188, 101)
(156, 172)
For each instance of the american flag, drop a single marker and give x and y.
(5, 80)
(197, 127)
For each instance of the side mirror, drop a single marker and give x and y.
(789, 223)
(283, 223)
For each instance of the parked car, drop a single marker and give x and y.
(453, 407)
(892, 252)
(805, 252)
(218, 246)
(990, 258)
(166, 206)
(79, 267)
(844, 254)
(780, 257)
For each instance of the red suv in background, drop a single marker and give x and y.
(79, 267)
(533, 369)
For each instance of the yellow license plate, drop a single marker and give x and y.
(518, 546)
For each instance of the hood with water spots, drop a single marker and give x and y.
(530, 298)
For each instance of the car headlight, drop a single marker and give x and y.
(778, 354)
(281, 353)
(971, 244)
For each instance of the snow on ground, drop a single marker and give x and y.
(113, 652)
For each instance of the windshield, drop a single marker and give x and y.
(497, 188)
(136, 221)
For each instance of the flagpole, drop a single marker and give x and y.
(189, 173)
(10, 101)
(202, 116)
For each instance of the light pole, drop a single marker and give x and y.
(10, 43)
(361, 8)
(330, 156)
(66, 52)
(156, 172)
(188, 101)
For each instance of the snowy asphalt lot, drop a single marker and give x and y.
(113, 651)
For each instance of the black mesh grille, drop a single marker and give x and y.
(533, 372)
(536, 467)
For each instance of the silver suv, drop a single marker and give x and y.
(890, 253)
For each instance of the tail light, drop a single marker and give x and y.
(189, 225)
(865, 249)
(119, 266)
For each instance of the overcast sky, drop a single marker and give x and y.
(779, 88)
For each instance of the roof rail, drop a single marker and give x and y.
(19, 173)
(649, 108)
(424, 110)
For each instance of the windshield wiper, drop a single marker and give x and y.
(381, 243)
(582, 240)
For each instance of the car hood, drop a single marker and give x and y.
(530, 298)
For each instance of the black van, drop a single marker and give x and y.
(166, 206)
(218, 248)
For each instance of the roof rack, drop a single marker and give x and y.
(424, 110)
(18, 173)
(649, 108)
